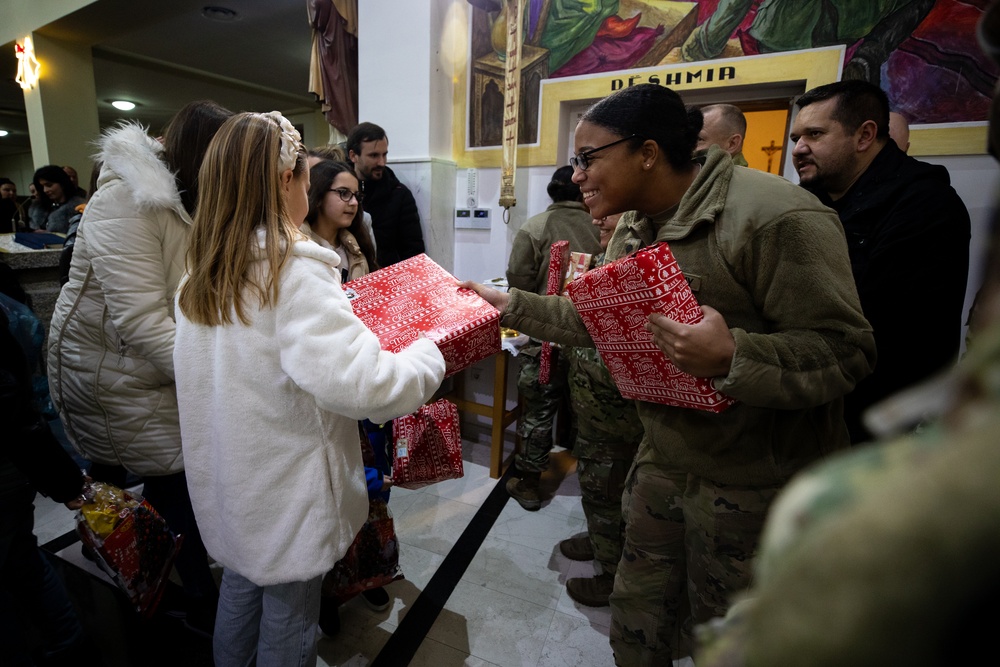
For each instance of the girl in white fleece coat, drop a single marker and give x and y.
(273, 372)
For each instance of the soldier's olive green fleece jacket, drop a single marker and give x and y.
(773, 261)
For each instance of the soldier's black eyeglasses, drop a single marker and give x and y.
(581, 160)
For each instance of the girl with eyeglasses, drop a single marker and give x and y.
(782, 332)
(335, 218)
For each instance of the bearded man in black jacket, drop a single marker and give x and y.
(395, 219)
(907, 234)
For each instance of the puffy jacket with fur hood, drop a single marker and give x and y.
(111, 340)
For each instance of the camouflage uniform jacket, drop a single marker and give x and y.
(528, 267)
(773, 261)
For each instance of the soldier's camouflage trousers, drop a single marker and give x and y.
(539, 406)
(602, 469)
(689, 546)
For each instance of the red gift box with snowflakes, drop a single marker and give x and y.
(416, 296)
(614, 302)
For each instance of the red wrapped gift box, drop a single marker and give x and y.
(558, 260)
(614, 302)
(417, 296)
(427, 446)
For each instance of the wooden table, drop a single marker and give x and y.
(500, 417)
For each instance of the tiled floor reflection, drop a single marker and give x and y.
(510, 608)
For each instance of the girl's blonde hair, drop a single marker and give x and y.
(240, 191)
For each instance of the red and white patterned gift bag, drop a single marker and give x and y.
(427, 446)
(614, 301)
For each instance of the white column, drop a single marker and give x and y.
(62, 108)
(404, 88)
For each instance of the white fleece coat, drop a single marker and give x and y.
(269, 416)
(111, 341)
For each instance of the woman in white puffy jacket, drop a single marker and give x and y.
(111, 340)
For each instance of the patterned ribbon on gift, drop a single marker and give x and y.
(558, 259)
(511, 102)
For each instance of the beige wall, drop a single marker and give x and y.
(21, 17)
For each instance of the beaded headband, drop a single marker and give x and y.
(291, 142)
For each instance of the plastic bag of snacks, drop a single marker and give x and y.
(131, 541)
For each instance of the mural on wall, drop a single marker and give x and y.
(923, 53)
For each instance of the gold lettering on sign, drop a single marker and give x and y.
(684, 77)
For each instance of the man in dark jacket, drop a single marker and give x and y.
(907, 233)
(395, 219)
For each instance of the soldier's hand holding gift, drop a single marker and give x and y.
(704, 349)
(494, 297)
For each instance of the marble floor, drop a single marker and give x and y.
(510, 606)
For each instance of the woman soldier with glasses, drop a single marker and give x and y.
(782, 332)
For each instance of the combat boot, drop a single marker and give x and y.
(577, 548)
(525, 491)
(591, 591)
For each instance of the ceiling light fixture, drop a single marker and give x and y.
(4, 133)
(123, 105)
(223, 14)
(27, 66)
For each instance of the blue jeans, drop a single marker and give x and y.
(275, 624)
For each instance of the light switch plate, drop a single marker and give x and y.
(472, 218)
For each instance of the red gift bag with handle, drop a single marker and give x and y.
(427, 446)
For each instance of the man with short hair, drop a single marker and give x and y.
(74, 178)
(12, 215)
(724, 126)
(899, 131)
(907, 234)
(395, 219)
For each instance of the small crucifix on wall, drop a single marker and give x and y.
(771, 150)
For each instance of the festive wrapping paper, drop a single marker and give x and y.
(614, 301)
(558, 261)
(132, 543)
(417, 296)
(428, 446)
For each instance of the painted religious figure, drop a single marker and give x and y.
(913, 49)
